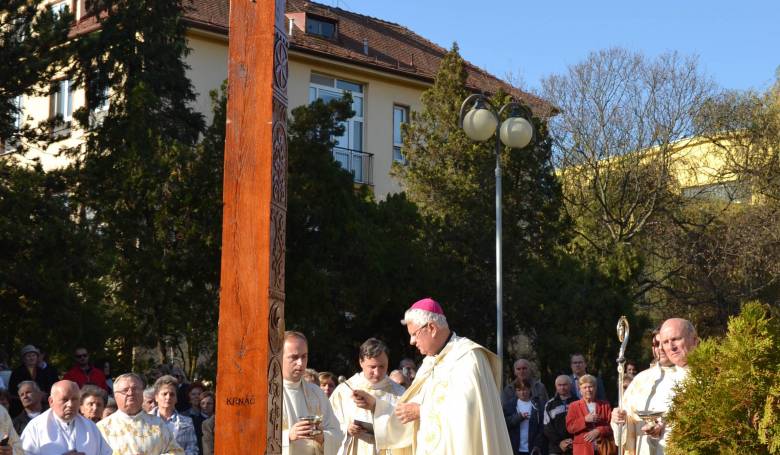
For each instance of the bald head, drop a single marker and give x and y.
(563, 386)
(64, 399)
(678, 338)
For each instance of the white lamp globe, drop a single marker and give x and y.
(479, 124)
(516, 132)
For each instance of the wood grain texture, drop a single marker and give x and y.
(251, 319)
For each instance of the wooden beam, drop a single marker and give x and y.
(251, 309)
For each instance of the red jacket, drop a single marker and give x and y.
(93, 376)
(578, 427)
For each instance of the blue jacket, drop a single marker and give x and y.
(536, 437)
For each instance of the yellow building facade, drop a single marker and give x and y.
(384, 66)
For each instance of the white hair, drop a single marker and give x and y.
(421, 317)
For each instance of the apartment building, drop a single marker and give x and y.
(385, 66)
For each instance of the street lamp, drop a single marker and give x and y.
(479, 119)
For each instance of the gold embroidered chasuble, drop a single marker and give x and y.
(142, 434)
(460, 410)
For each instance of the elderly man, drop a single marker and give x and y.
(30, 397)
(579, 368)
(523, 372)
(452, 407)
(356, 422)
(61, 430)
(302, 399)
(129, 430)
(652, 390)
(12, 445)
(559, 441)
(83, 373)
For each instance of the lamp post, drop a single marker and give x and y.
(479, 119)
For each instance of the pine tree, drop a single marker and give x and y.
(729, 404)
(128, 174)
(34, 47)
(452, 180)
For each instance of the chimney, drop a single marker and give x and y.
(365, 46)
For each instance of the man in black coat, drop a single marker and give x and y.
(559, 440)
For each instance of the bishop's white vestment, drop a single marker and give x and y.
(650, 390)
(301, 399)
(47, 434)
(142, 434)
(346, 412)
(460, 410)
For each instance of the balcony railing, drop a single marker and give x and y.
(360, 164)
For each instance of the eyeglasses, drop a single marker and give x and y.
(414, 335)
(128, 391)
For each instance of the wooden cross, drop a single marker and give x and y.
(251, 309)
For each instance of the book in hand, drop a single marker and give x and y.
(368, 426)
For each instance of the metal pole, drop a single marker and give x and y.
(499, 272)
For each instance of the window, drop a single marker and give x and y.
(735, 192)
(61, 102)
(17, 112)
(320, 27)
(349, 146)
(400, 116)
(59, 8)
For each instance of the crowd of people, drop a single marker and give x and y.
(452, 403)
(87, 412)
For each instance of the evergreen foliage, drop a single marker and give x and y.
(133, 173)
(49, 274)
(729, 404)
(29, 29)
(452, 180)
(353, 263)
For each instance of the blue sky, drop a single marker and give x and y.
(738, 42)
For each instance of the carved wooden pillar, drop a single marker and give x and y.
(251, 319)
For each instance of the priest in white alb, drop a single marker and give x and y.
(308, 424)
(652, 390)
(61, 429)
(453, 406)
(130, 430)
(357, 423)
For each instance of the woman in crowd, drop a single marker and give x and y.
(524, 419)
(181, 426)
(207, 404)
(93, 402)
(196, 388)
(588, 421)
(327, 382)
(110, 408)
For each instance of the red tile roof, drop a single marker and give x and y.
(391, 47)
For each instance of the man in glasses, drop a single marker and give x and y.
(131, 431)
(453, 404)
(83, 372)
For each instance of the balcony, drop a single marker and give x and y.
(360, 164)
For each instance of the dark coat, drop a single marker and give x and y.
(555, 431)
(535, 425)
